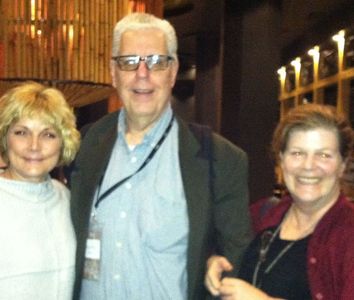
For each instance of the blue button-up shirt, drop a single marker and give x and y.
(144, 222)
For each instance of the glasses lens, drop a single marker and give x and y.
(157, 62)
(128, 63)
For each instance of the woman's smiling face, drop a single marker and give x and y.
(312, 166)
(33, 149)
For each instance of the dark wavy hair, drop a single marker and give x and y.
(312, 116)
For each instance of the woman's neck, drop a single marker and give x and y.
(302, 217)
(297, 224)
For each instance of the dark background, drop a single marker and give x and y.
(229, 53)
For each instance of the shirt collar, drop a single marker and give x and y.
(154, 133)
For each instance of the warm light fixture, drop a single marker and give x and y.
(296, 63)
(282, 72)
(315, 51)
(339, 37)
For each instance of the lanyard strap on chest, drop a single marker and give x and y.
(143, 165)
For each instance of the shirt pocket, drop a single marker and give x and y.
(164, 226)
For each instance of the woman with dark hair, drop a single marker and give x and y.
(304, 245)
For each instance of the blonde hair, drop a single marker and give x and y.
(32, 99)
(138, 21)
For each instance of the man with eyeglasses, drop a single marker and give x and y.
(148, 207)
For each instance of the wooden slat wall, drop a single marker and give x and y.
(62, 39)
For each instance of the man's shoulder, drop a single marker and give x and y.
(204, 134)
(101, 125)
(225, 144)
(110, 118)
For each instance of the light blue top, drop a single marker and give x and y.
(144, 221)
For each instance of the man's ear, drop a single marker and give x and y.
(174, 70)
(113, 73)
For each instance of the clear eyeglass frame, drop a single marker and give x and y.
(154, 62)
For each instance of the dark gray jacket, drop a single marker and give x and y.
(219, 225)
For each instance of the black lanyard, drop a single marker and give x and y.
(147, 160)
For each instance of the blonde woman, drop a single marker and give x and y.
(37, 253)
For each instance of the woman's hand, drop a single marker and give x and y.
(237, 289)
(216, 265)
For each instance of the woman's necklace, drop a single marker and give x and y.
(267, 239)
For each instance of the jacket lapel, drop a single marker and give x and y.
(91, 164)
(99, 155)
(195, 176)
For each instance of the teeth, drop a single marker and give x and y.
(142, 91)
(308, 180)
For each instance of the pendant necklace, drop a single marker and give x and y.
(267, 239)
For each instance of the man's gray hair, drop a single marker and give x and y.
(137, 21)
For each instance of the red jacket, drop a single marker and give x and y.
(330, 256)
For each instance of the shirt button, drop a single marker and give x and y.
(128, 185)
(319, 296)
(133, 159)
(313, 260)
(119, 244)
(116, 277)
(123, 214)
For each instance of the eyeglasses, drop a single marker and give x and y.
(153, 62)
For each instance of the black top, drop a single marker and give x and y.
(288, 277)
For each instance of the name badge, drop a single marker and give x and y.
(93, 251)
